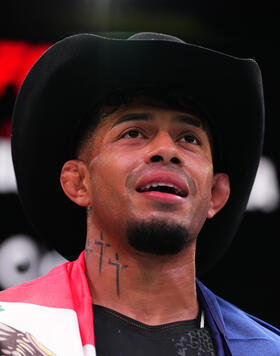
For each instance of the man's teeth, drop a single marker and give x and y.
(154, 185)
(160, 184)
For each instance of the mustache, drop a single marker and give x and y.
(141, 171)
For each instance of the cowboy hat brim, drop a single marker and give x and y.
(79, 71)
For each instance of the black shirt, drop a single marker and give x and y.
(119, 335)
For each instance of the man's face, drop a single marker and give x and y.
(148, 163)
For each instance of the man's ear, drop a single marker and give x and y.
(220, 193)
(74, 179)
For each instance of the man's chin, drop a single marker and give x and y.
(158, 237)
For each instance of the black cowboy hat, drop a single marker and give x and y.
(78, 72)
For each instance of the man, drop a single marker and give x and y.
(159, 140)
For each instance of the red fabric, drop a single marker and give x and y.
(65, 286)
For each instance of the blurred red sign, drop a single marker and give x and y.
(16, 59)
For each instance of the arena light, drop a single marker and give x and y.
(7, 175)
(265, 193)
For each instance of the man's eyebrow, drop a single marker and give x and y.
(190, 120)
(132, 117)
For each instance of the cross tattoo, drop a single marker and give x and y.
(88, 249)
(118, 267)
(103, 245)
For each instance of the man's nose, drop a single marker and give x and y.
(163, 149)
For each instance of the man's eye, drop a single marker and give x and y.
(190, 139)
(132, 134)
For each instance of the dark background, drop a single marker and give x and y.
(248, 274)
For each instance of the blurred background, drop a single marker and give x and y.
(247, 275)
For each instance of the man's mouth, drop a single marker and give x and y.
(163, 188)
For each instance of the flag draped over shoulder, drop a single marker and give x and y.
(51, 315)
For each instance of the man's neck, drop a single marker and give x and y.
(151, 289)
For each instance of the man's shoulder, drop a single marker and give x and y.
(245, 331)
(48, 310)
(250, 332)
(242, 324)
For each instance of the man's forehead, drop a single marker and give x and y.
(145, 109)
